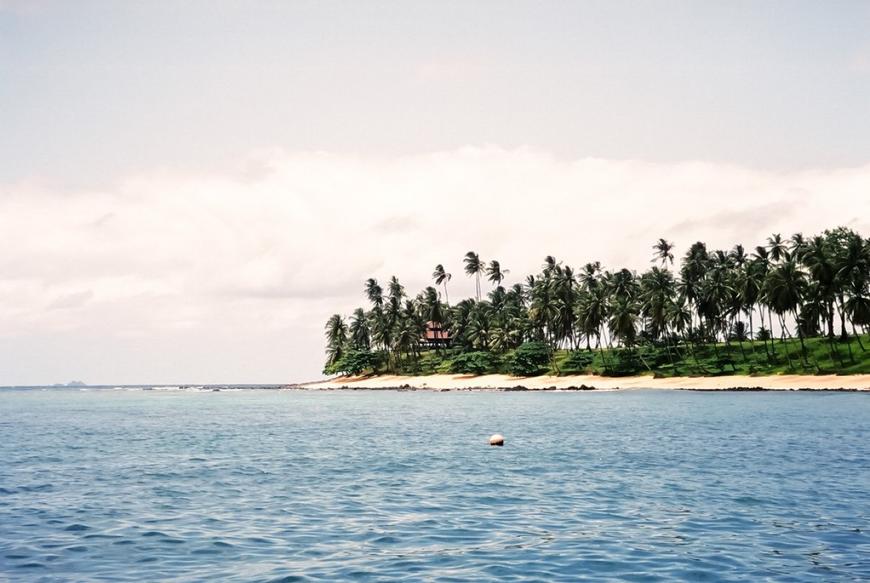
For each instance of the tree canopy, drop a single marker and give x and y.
(803, 287)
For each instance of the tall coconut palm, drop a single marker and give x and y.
(784, 288)
(336, 338)
(853, 270)
(495, 273)
(540, 310)
(550, 265)
(592, 311)
(374, 292)
(589, 275)
(762, 265)
(818, 259)
(657, 292)
(692, 273)
(858, 307)
(480, 326)
(776, 246)
(797, 244)
(663, 251)
(474, 267)
(441, 277)
(431, 307)
(360, 334)
(738, 255)
(622, 322)
(748, 283)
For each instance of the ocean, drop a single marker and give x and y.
(269, 485)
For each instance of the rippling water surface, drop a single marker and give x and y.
(401, 486)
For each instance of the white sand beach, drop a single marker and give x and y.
(459, 382)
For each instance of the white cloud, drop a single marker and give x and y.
(210, 273)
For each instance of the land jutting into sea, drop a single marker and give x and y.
(793, 312)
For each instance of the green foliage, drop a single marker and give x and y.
(714, 311)
(353, 362)
(624, 362)
(530, 359)
(474, 363)
(577, 362)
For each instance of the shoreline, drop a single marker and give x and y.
(499, 382)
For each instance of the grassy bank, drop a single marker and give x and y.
(750, 358)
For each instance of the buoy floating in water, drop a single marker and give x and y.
(497, 439)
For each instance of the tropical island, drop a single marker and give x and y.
(792, 306)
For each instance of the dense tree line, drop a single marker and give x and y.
(797, 287)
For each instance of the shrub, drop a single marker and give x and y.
(578, 362)
(474, 363)
(353, 363)
(624, 362)
(530, 359)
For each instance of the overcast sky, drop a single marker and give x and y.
(189, 189)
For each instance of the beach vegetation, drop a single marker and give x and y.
(529, 359)
(790, 305)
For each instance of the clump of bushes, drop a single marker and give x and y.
(474, 363)
(530, 359)
(353, 362)
(578, 362)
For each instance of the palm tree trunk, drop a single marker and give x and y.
(698, 366)
(751, 331)
(782, 332)
(601, 351)
(842, 309)
(857, 336)
(801, 337)
(849, 346)
(770, 324)
(834, 352)
(640, 356)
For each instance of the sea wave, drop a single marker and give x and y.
(403, 486)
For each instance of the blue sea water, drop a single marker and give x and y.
(256, 485)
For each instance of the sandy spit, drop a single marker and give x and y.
(503, 382)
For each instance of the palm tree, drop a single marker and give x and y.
(761, 268)
(692, 273)
(663, 252)
(784, 288)
(858, 307)
(495, 273)
(441, 277)
(550, 265)
(360, 334)
(776, 246)
(480, 326)
(474, 267)
(431, 306)
(592, 311)
(818, 260)
(623, 322)
(748, 283)
(657, 293)
(853, 271)
(798, 244)
(336, 338)
(374, 292)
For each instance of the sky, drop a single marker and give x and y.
(189, 189)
